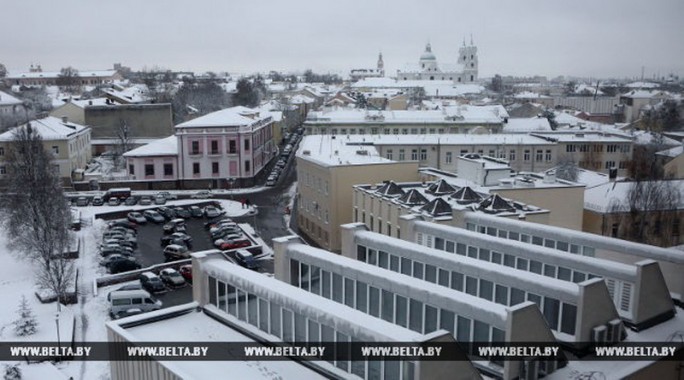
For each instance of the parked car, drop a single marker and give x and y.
(231, 227)
(81, 201)
(176, 237)
(130, 201)
(223, 224)
(168, 196)
(123, 266)
(123, 230)
(212, 211)
(113, 202)
(113, 249)
(123, 223)
(214, 222)
(136, 217)
(97, 201)
(171, 277)
(153, 216)
(167, 212)
(131, 286)
(175, 225)
(112, 259)
(186, 272)
(151, 282)
(159, 199)
(182, 212)
(202, 194)
(122, 242)
(235, 243)
(271, 180)
(176, 252)
(196, 212)
(246, 259)
(145, 200)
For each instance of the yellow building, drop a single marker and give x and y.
(327, 169)
(68, 142)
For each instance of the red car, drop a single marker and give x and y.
(232, 244)
(186, 272)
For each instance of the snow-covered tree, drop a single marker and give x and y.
(12, 372)
(26, 324)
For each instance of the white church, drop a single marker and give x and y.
(465, 71)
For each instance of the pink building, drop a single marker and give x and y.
(231, 143)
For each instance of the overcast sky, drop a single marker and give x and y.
(597, 38)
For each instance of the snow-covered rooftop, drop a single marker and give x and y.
(582, 136)
(448, 139)
(233, 116)
(535, 124)
(49, 128)
(614, 195)
(8, 100)
(672, 152)
(530, 95)
(198, 327)
(167, 146)
(462, 114)
(55, 74)
(331, 150)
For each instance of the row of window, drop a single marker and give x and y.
(387, 131)
(214, 147)
(597, 148)
(391, 307)
(624, 301)
(290, 327)
(560, 316)
(316, 183)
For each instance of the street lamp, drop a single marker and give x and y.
(231, 182)
(57, 323)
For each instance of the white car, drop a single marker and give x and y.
(202, 194)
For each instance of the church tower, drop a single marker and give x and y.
(381, 65)
(468, 58)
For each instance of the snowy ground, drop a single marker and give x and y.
(90, 314)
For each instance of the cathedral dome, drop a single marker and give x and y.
(427, 54)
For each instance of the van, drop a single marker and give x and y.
(124, 302)
(120, 192)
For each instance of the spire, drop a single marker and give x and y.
(381, 63)
(463, 41)
(471, 39)
(428, 48)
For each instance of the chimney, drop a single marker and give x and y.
(65, 119)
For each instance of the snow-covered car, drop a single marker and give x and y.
(151, 282)
(159, 199)
(196, 212)
(176, 252)
(234, 243)
(145, 200)
(246, 259)
(175, 225)
(130, 201)
(202, 194)
(182, 212)
(136, 217)
(212, 211)
(175, 238)
(153, 216)
(171, 277)
(168, 196)
(111, 259)
(113, 201)
(97, 201)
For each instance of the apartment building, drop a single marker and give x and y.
(68, 142)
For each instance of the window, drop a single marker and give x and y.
(55, 149)
(448, 157)
(131, 169)
(168, 169)
(548, 155)
(2, 151)
(196, 168)
(423, 154)
(214, 147)
(389, 154)
(194, 147)
(539, 155)
(400, 311)
(414, 154)
(149, 169)
(247, 166)
(401, 155)
(232, 146)
(246, 144)
(526, 155)
(610, 164)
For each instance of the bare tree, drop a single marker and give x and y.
(123, 139)
(3, 71)
(35, 214)
(69, 79)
